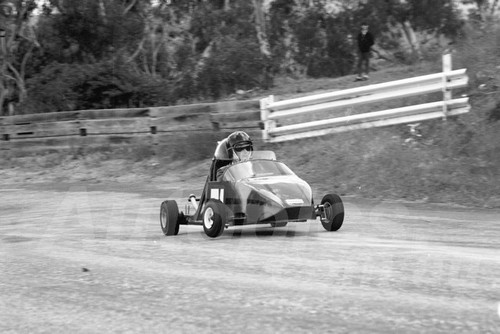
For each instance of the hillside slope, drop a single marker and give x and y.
(453, 161)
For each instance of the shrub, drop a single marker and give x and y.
(93, 86)
(235, 64)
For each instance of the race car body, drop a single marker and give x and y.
(259, 191)
(263, 191)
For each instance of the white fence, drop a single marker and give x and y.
(445, 81)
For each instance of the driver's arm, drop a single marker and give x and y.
(220, 172)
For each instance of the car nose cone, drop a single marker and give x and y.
(277, 198)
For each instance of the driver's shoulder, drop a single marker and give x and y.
(221, 152)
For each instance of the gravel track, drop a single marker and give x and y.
(92, 259)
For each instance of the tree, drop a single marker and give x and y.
(199, 48)
(17, 44)
(90, 31)
(412, 19)
(232, 55)
(485, 9)
(307, 39)
(260, 27)
(114, 48)
(284, 17)
(261, 31)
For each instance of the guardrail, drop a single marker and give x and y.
(176, 129)
(445, 81)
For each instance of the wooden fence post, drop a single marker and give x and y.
(264, 116)
(446, 92)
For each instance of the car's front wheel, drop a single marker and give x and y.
(214, 218)
(169, 218)
(332, 216)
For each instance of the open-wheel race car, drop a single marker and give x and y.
(261, 190)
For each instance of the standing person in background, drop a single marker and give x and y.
(365, 43)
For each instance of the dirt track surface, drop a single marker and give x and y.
(92, 259)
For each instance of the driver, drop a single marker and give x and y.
(237, 146)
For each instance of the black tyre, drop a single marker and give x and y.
(169, 218)
(333, 215)
(214, 218)
(279, 224)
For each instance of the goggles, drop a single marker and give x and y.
(248, 148)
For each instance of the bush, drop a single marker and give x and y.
(93, 86)
(235, 64)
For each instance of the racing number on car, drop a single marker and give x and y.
(217, 193)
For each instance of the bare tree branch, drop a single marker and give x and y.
(140, 48)
(260, 28)
(411, 38)
(26, 57)
(17, 76)
(129, 7)
(9, 77)
(494, 7)
(205, 55)
(102, 11)
(59, 6)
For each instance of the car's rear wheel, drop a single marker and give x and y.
(169, 218)
(333, 212)
(214, 218)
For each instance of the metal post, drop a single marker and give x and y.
(446, 92)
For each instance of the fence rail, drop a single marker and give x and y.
(445, 81)
(201, 125)
(157, 126)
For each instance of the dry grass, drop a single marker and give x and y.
(456, 161)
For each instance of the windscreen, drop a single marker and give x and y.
(256, 168)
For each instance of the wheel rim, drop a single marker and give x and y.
(208, 218)
(327, 207)
(163, 218)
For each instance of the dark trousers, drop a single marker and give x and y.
(363, 63)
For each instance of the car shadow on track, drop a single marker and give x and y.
(253, 231)
(264, 232)
(261, 233)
